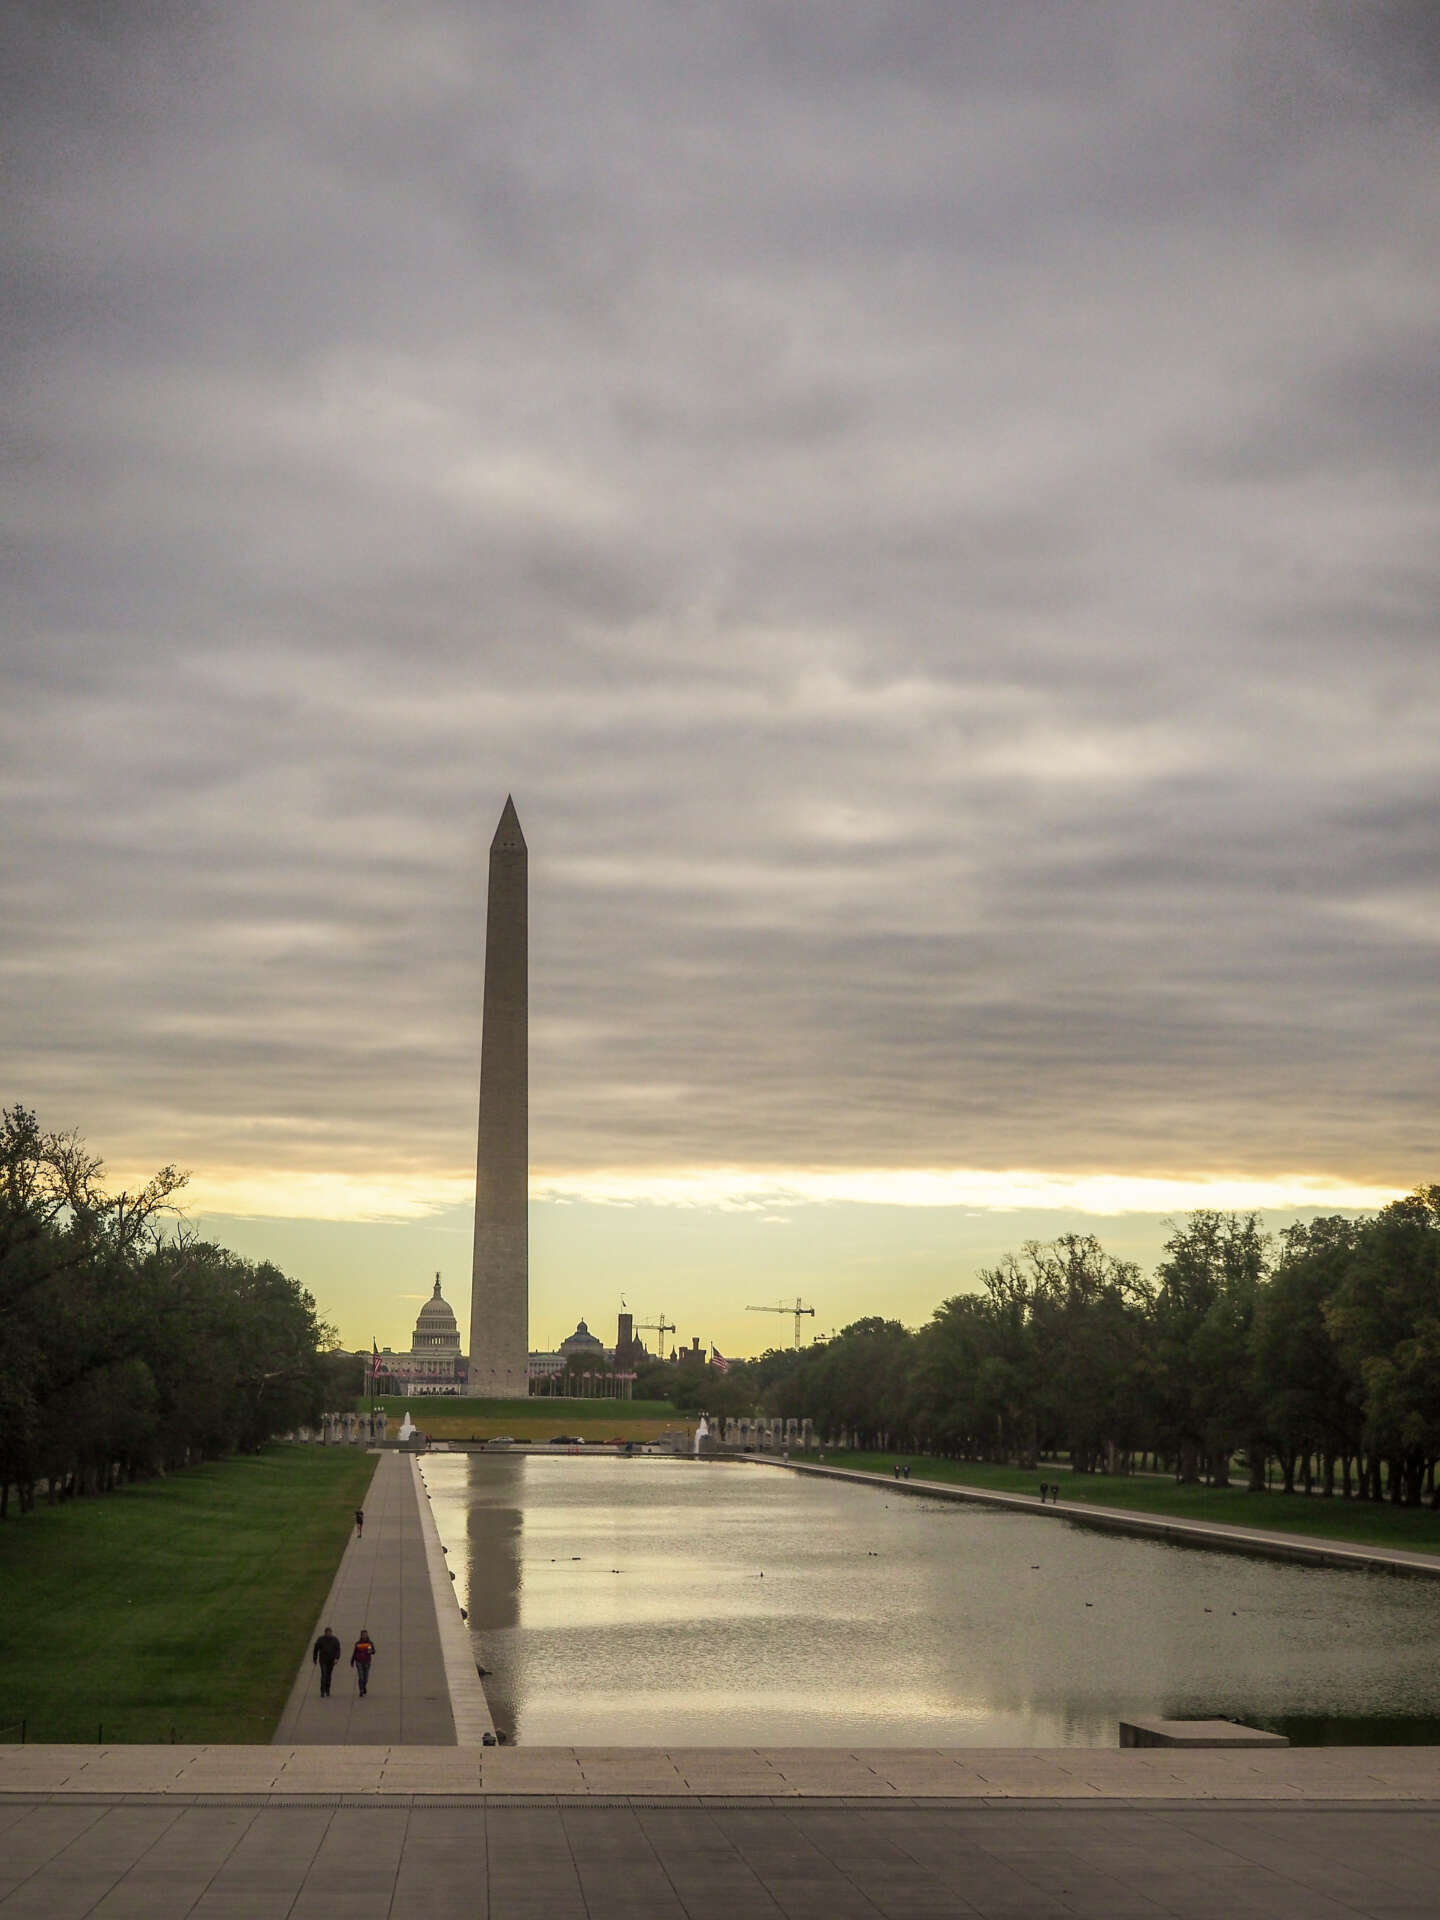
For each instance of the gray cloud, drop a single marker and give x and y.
(932, 512)
(1374, 409)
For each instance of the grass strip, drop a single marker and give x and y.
(179, 1607)
(1355, 1522)
(538, 1418)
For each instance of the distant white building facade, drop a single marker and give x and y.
(434, 1363)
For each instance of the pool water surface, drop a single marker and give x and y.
(674, 1602)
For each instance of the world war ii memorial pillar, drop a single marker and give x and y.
(500, 1282)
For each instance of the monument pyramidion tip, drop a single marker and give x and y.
(508, 837)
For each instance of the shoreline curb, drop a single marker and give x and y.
(469, 1706)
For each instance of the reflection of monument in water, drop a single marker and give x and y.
(500, 1282)
(494, 1554)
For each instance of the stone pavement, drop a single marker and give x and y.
(394, 1581)
(532, 1833)
(608, 1860)
(363, 1772)
(1310, 1548)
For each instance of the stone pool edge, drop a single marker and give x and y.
(1305, 1548)
(650, 1775)
(469, 1705)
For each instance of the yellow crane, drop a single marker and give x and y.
(662, 1326)
(799, 1309)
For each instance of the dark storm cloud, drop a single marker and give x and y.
(932, 511)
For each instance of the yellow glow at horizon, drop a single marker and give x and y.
(287, 1194)
(290, 1194)
(1010, 1191)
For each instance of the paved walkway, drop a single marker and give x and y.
(604, 1861)
(393, 1581)
(1311, 1548)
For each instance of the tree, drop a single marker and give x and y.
(1205, 1301)
(1385, 1319)
(1086, 1327)
(124, 1348)
(1311, 1399)
(963, 1388)
(856, 1383)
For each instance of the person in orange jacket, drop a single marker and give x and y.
(360, 1659)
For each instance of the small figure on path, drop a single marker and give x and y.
(326, 1652)
(360, 1659)
(1044, 1491)
(359, 1522)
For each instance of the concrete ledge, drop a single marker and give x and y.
(447, 1856)
(1195, 1733)
(650, 1775)
(629, 1802)
(468, 1705)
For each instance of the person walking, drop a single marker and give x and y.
(326, 1652)
(359, 1523)
(360, 1659)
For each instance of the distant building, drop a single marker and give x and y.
(574, 1353)
(582, 1344)
(629, 1351)
(434, 1363)
(581, 1353)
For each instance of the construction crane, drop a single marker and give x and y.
(799, 1309)
(662, 1326)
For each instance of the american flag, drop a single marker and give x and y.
(718, 1361)
(374, 1359)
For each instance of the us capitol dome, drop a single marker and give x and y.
(433, 1364)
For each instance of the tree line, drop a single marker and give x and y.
(128, 1345)
(1316, 1356)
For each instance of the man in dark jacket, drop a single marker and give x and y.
(326, 1652)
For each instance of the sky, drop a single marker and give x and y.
(931, 510)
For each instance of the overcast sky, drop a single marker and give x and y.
(929, 508)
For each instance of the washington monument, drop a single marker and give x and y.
(500, 1282)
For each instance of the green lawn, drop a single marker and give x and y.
(181, 1605)
(537, 1418)
(1357, 1522)
(537, 1403)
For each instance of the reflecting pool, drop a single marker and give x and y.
(678, 1602)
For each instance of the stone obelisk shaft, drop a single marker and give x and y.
(500, 1284)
